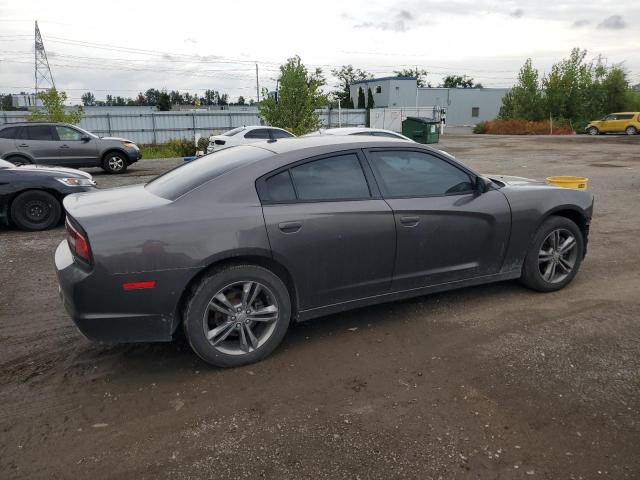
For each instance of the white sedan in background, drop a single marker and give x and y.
(376, 132)
(244, 136)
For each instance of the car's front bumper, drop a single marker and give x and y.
(134, 155)
(103, 312)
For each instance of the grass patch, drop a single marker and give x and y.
(523, 127)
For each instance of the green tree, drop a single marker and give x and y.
(88, 99)
(52, 109)
(419, 73)
(459, 81)
(299, 97)
(164, 101)
(346, 75)
(153, 96)
(6, 103)
(525, 99)
(360, 98)
(240, 100)
(370, 102)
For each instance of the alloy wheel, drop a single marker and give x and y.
(557, 256)
(241, 317)
(116, 163)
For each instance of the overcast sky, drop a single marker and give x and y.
(123, 47)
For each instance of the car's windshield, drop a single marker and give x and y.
(5, 164)
(86, 132)
(185, 178)
(231, 133)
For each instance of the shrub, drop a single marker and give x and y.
(203, 143)
(173, 148)
(184, 147)
(480, 128)
(523, 127)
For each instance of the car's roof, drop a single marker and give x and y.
(291, 144)
(22, 124)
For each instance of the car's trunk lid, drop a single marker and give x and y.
(93, 208)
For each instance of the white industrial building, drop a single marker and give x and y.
(464, 106)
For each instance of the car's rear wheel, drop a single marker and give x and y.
(631, 130)
(554, 256)
(35, 210)
(593, 131)
(237, 315)
(115, 162)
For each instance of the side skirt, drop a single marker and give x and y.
(304, 315)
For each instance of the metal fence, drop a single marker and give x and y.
(159, 127)
(391, 118)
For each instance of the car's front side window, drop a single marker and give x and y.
(405, 173)
(276, 133)
(332, 178)
(68, 134)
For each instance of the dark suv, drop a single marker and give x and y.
(65, 145)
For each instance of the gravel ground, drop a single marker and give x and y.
(492, 382)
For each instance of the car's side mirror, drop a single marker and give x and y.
(85, 138)
(482, 184)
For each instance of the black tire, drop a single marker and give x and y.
(631, 130)
(115, 163)
(35, 210)
(532, 270)
(199, 318)
(593, 131)
(18, 160)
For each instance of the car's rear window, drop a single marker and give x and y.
(185, 178)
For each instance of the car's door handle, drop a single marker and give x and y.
(23, 145)
(290, 227)
(409, 221)
(64, 146)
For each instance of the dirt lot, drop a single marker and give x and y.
(493, 382)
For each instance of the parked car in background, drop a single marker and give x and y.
(65, 145)
(31, 195)
(374, 132)
(236, 245)
(627, 122)
(245, 136)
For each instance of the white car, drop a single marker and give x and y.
(244, 136)
(376, 132)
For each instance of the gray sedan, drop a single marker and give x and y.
(234, 246)
(65, 145)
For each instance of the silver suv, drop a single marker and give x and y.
(65, 145)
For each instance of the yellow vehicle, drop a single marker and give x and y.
(627, 122)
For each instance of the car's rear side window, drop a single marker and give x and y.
(280, 188)
(39, 132)
(9, 132)
(185, 178)
(332, 178)
(262, 133)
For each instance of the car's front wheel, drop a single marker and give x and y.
(631, 130)
(35, 210)
(554, 256)
(593, 131)
(237, 315)
(115, 162)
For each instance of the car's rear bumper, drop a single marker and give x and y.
(103, 312)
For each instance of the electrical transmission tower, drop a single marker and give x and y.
(42, 71)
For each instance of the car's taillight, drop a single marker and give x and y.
(78, 243)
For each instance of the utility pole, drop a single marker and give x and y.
(257, 84)
(42, 72)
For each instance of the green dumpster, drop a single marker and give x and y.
(421, 130)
